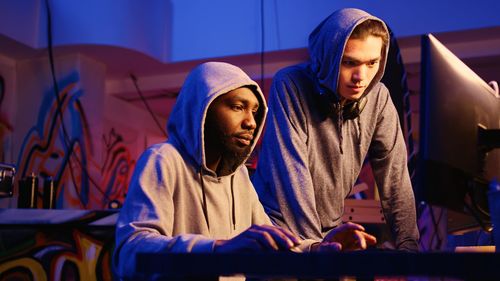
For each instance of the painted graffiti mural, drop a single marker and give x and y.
(57, 254)
(116, 168)
(89, 174)
(60, 146)
(5, 126)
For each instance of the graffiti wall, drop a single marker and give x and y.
(74, 251)
(64, 132)
(60, 132)
(60, 146)
(7, 85)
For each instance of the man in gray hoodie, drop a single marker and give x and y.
(326, 116)
(192, 193)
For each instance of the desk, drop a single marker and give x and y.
(366, 264)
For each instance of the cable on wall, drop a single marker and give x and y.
(148, 108)
(262, 46)
(59, 112)
(277, 23)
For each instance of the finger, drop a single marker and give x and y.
(253, 245)
(264, 238)
(370, 239)
(278, 236)
(360, 239)
(329, 247)
(296, 250)
(283, 234)
(342, 231)
(243, 242)
(334, 246)
(364, 239)
(295, 239)
(351, 226)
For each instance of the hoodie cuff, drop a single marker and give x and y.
(306, 245)
(203, 246)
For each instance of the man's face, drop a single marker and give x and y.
(230, 123)
(360, 63)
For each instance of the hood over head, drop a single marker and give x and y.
(327, 43)
(202, 86)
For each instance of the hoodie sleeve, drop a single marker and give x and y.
(146, 220)
(283, 180)
(388, 159)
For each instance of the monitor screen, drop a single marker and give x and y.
(457, 108)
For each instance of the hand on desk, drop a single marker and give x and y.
(259, 238)
(346, 237)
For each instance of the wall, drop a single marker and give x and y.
(178, 30)
(8, 103)
(90, 152)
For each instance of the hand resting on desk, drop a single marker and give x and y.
(259, 238)
(346, 237)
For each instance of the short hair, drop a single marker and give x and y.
(371, 27)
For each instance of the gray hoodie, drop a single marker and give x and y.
(174, 202)
(311, 159)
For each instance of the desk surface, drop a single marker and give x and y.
(41, 217)
(478, 266)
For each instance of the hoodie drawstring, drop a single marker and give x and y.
(340, 121)
(205, 205)
(359, 131)
(232, 202)
(205, 208)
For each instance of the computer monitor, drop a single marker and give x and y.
(459, 134)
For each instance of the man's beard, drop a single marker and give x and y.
(232, 151)
(224, 142)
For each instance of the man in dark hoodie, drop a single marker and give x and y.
(192, 193)
(326, 116)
